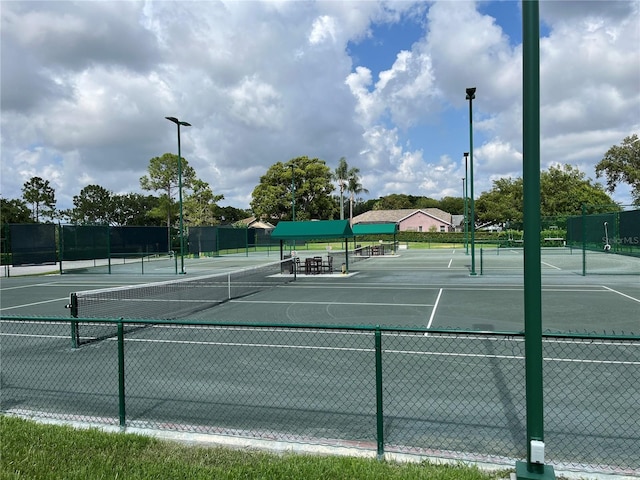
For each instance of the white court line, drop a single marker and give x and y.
(549, 265)
(510, 357)
(30, 335)
(435, 307)
(450, 262)
(29, 286)
(620, 293)
(289, 302)
(34, 303)
(261, 345)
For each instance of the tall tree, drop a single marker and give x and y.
(93, 205)
(341, 175)
(41, 196)
(564, 189)
(354, 187)
(621, 164)
(14, 211)
(163, 176)
(200, 206)
(310, 179)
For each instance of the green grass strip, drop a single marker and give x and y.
(31, 450)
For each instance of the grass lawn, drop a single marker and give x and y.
(34, 451)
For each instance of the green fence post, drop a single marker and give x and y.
(73, 306)
(121, 395)
(584, 240)
(109, 248)
(481, 263)
(60, 246)
(534, 467)
(379, 404)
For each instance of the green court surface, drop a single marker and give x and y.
(443, 392)
(426, 288)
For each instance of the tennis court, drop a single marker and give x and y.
(444, 392)
(429, 289)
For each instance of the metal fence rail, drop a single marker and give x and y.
(456, 394)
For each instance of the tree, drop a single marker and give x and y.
(231, 214)
(354, 187)
(502, 204)
(563, 191)
(135, 209)
(14, 211)
(163, 176)
(41, 196)
(395, 201)
(621, 164)
(94, 205)
(311, 179)
(340, 175)
(360, 208)
(200, 207)
(452, 205)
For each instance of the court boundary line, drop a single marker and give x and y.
(328, 303)
(435, 307)
(623, 294)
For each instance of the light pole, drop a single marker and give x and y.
(471, 94)
(184, 124)
(466, 213)
(464, 216)
(293, 194)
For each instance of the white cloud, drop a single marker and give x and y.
(323, 29)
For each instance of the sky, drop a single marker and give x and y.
(86, 86)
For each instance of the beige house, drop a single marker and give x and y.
(410, 219)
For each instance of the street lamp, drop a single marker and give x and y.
(466, 194)
(184, 124)
(471, 94)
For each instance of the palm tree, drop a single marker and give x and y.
(354, 187)
(341, 175)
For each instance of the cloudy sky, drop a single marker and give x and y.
(86, 86)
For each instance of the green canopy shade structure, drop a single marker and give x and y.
(376, 229)
(310, 230)
(320, 229)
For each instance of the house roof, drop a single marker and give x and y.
(375, 228)
(313, 229)
(396, 216)
(253, 222)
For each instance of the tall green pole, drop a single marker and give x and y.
(534, 468)
(293, 195)
(180, 202)
(471, 94)
(179, 123)
(464, 213)
(466, 203)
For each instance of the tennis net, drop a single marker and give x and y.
(167, 300)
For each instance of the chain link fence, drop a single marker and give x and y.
(448, 394)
